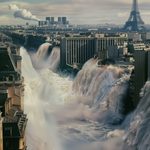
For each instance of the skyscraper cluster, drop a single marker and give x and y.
(51, 21)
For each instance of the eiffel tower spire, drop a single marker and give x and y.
(135, 22)
(135, 6)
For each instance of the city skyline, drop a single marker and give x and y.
(77, 11)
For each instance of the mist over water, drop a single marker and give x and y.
(84, 113)
(39, 95)
(41, 60)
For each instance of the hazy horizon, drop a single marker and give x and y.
(77, 11)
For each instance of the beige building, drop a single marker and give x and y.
(13, 122)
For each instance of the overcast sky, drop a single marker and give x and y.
(78, 11)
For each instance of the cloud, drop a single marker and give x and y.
(81, 11)
(123, 14)
(4, 0)
(22, 13)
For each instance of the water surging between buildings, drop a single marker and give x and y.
(79, 114)
(41, 60)
(40, 97)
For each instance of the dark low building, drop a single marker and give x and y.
(148, 65)
(14, 125)
(28, 40)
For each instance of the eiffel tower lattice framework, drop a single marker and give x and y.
(135, 22)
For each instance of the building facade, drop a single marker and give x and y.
(134, 36)
(52, 23)
(64, 20)
(148, 63)
(1, 133)
(75, 51)
(142, 72)
(50, 20)
(11, 100)
(108, 47)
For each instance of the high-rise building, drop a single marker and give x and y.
(48, 19)
(59, 20)
(64, 20)
(52, 20)
(75, 51)
(42, 23)
(141, 73)
(12, 116)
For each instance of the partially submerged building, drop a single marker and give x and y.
(75, 51)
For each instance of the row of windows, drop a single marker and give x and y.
(79, 51)
(8, 131)
(103, 44)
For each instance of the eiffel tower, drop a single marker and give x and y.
(135, 22)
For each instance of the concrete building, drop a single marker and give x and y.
(11, 99)
(142, 72)
(139, 46)
(50, 20)
(139, 73)
(59, 20)
(28, 39)
(64, 20)
(134, 36)
(14, 131)
(42, 23)
(75, 51)
(132, 47)
(108, 47)
(145, 36)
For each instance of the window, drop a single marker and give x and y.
(8, 131)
